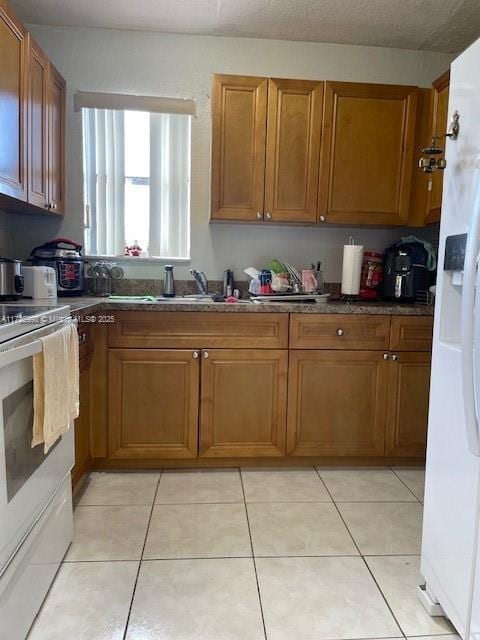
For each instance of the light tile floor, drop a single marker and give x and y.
(284, 554)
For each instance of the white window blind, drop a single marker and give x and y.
(136, 182)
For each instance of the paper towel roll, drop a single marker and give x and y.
(352, 269)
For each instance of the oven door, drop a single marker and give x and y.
(28, 477)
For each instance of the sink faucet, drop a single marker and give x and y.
(201, 280)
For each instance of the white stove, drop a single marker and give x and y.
(36, 521)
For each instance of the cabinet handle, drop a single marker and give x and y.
(205, 354)
(394, 358)
(386, 356)
(54, 206)
(268, 216)
(259, 215)
(195, 355)
(339, 332)
(322, 218)
(48, 206)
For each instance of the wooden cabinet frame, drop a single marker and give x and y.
(407, 414)
(38, 143)
(34, 142)
(225, 127)
(292, 150)
(264, 377)
(122, 445)
(16, 187)
(336, 92)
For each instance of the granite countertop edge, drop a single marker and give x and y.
(105, 305)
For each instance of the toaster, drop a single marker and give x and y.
(40, 283)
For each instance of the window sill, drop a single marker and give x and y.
(139, 259)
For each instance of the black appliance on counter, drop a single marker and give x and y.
(65, 257)
(406, 277)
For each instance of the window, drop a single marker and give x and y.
(136, 182)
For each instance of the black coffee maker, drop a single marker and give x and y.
(406, 277)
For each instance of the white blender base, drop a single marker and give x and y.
(432, 607)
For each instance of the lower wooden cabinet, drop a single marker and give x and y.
(243, 403)
(153, 403)
(337, 403)
(234, 402)
(358, 403)
(407, 416)
(83, 457)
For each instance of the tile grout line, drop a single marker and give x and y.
(392, 469)
(127, 621)
(361, 554)
(253, 555)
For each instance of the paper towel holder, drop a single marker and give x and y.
(350, 287)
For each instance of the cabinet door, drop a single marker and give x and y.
(243, 403)
(439, 127)
(293, 149)
(153, 403)
(337, 403)
(37, 125)
(56, 146)
(367, 151)
(239, 116)
(83, 458)
(408, 393)
(13, 106)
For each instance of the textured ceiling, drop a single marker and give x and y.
(435, 25)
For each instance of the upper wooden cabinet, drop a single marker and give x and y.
(293, 148)
(239, 115)
(265, 149)
(426, 197)
(32, 122)
(440, 93)
(274, 159)
(56, 141)
(367, 150)
(38, 94)
(13, 105)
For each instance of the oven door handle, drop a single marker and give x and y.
(9, 356)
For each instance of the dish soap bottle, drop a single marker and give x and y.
(169, 282)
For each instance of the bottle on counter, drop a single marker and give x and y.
(169, 282)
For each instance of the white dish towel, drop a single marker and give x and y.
(55, 386)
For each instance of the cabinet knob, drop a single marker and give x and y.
(48, 206)
(54, 206)
(339, 332)
(386, 356)
(394, 357)
(322, 218)
(205, 354)
(195, 355)
(268, 216)
(259, 215)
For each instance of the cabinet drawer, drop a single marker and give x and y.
(184, 329)
(410, 333)
(339, 331)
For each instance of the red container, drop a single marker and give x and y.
(372, 275)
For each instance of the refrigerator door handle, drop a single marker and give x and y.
(470, 334)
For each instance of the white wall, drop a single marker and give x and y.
(182, 66)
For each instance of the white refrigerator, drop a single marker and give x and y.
(450, 562)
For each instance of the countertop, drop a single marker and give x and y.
(106, 305)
